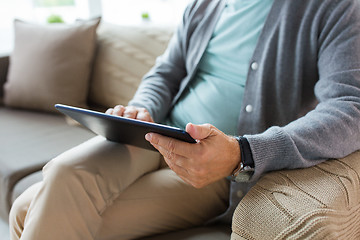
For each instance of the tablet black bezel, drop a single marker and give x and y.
(121, 129)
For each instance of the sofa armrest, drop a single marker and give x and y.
(4, 65)
(321, 202)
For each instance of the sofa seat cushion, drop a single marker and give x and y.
(28, 140)
(24, 184)
(214, 232)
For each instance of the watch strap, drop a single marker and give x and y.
(245, 169)
(246, 154)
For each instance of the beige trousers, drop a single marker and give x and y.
(104, 190)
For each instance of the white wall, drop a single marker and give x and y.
(9, 9)
(127, 12)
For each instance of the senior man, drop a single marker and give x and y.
(283, 76)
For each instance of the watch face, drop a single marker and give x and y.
(248, 169)
(243, 168)
(243, 176)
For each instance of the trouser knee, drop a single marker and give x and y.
(59, 171)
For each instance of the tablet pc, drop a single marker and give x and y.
(120, 129)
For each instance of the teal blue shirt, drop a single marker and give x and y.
(215, 94)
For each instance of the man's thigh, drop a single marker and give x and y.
(110, 166)
(82, 181)
(160, 202)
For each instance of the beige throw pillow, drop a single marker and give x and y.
(50, 64)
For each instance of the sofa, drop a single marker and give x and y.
(321, 202)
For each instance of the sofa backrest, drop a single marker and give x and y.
(124, 55)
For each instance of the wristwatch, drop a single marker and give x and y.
(246, 167)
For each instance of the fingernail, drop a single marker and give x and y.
(148, 136)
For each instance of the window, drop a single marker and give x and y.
(36, 11)
(53, 3)
(66, 10)
(127, 12)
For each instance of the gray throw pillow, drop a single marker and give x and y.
(50, 64)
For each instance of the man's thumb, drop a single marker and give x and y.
(198, 132)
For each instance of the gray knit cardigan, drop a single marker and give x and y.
(303, 93)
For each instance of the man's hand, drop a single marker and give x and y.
(130, 112)
(212, 158)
